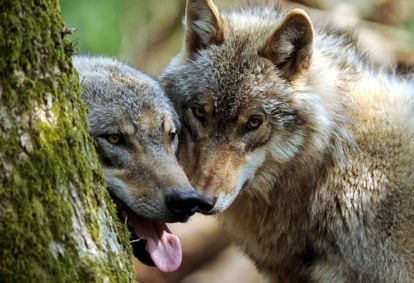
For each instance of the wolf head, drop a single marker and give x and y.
(134, 127)
(239, 86)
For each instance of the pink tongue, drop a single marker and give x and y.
(164, 247)
(166, 252)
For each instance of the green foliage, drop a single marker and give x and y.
(102, 25)
(144, 33)
(98, 24)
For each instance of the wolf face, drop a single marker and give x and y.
(134, 127)
(236, 91)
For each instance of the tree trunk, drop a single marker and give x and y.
(56, 219)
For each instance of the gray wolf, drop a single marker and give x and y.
(307, 150)
(134, 127)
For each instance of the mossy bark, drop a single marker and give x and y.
(56, 220)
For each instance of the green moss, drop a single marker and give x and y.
(46, 155)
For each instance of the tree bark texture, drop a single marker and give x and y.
(57, 223)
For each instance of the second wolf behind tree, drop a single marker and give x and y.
(134, 127)
(306, 148)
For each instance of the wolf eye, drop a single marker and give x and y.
(114, 139)
(198, 112)
(172, 135)
(254, 122)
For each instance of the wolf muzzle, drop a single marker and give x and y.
(184, 204)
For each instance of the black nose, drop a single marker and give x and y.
(186, 203)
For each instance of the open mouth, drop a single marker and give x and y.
(152, 242)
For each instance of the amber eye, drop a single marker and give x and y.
(199, 112)
(254, 122)
(114, 139)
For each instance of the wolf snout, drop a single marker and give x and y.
(183, 204)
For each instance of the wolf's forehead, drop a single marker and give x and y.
(234, 85)
(146, 117)
(132, 95)
(132, 102)
(150, 114)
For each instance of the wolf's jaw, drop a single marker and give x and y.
(152, 242)
(121, 191)
(163, 246)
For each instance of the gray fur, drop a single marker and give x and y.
(124, 101)
(323, 191)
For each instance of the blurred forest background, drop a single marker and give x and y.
(147, 33)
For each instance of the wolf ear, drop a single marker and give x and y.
(290, 46)
(204, 25)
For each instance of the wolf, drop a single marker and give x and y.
(134, 127)
(305, 147)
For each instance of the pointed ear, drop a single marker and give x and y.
(204, 25)
(290, 46)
